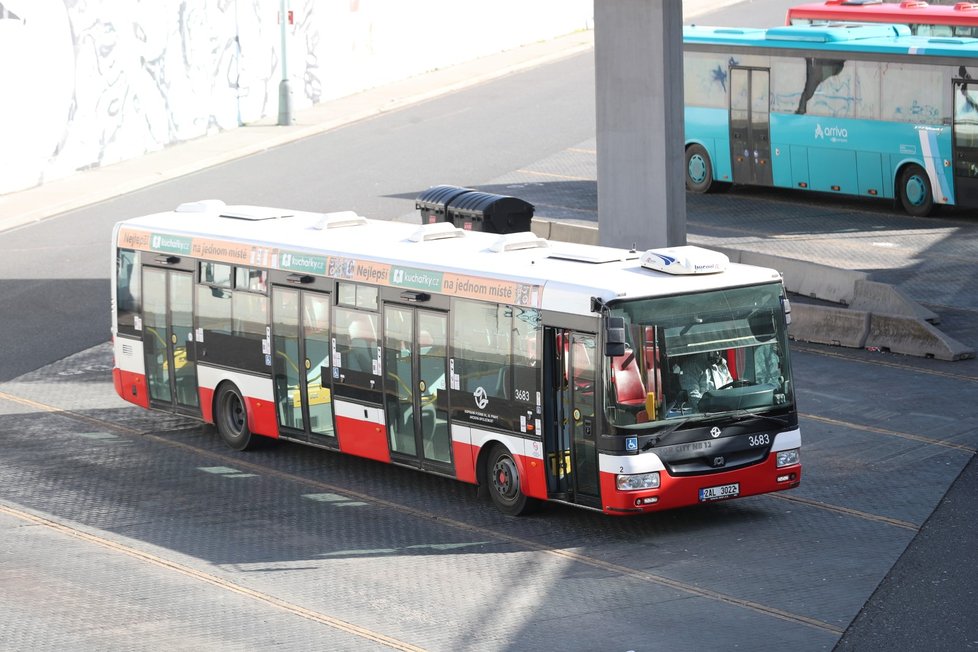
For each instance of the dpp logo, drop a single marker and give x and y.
(481, 400)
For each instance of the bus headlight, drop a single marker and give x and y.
(637, 481)
(788, 457)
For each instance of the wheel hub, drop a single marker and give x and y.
(503, 474)
(697, 168)
(915, 190)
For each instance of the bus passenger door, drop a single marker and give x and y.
(300, 335)
(570, 366)
(168, 337)
(415, 390)
(750, 126)
(965, 128)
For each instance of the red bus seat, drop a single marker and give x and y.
(627, 378)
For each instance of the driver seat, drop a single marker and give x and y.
(627, 379)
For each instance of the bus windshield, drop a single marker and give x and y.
(691, 357)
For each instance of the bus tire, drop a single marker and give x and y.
(915, 192)
(231, 418)
(504, 483)
(699, 170)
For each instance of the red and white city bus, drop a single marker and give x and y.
(924, 19)
(537, 370)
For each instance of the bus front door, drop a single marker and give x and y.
(965, 128)
(570, 427)
(301, 364)
(168, 339)
(415, 390)
(750, 126)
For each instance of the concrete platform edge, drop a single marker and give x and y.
(886, 319)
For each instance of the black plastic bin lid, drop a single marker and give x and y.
(500, 213)
(437, 197)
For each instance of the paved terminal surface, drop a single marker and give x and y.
(126, 529)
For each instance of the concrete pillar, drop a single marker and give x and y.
(639, 92)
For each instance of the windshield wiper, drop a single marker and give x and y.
(665, 432)
(744, 415)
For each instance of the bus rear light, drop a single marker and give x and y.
(648, 500)
(788, 457)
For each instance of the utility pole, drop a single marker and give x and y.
(638, 53)
(284, 92)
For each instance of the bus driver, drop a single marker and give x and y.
(702, 372)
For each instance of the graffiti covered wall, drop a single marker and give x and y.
(86, 83)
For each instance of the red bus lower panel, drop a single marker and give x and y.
(262, 417)
(131, 387)
(685, 491)
(465, 456)
(206, 395)
(363, 438)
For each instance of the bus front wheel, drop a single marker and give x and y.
(503, 478)
(699, 170)
(916, 195)
(231, 418)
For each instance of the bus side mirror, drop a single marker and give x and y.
(614, 336)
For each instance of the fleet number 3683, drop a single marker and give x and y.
(759, 440)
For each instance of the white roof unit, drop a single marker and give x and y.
(685, 260)
(339, 219)
(516, 241)
(436, 231)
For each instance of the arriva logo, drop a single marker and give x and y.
(832, 133)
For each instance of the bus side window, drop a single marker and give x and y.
(356, 341)
(127, 290)
(482, 347)
(362, 343)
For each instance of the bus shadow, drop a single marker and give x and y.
(168, 481)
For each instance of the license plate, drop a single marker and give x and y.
(719, 493)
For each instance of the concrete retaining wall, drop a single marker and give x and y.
(86, 84)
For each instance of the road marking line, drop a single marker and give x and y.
(845, 510)
(141, 555)
(892, 433)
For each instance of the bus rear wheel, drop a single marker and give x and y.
(231, 418)
(915, 192)
(699, 170)
(503, 477)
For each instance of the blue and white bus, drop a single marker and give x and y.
(867, 110)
